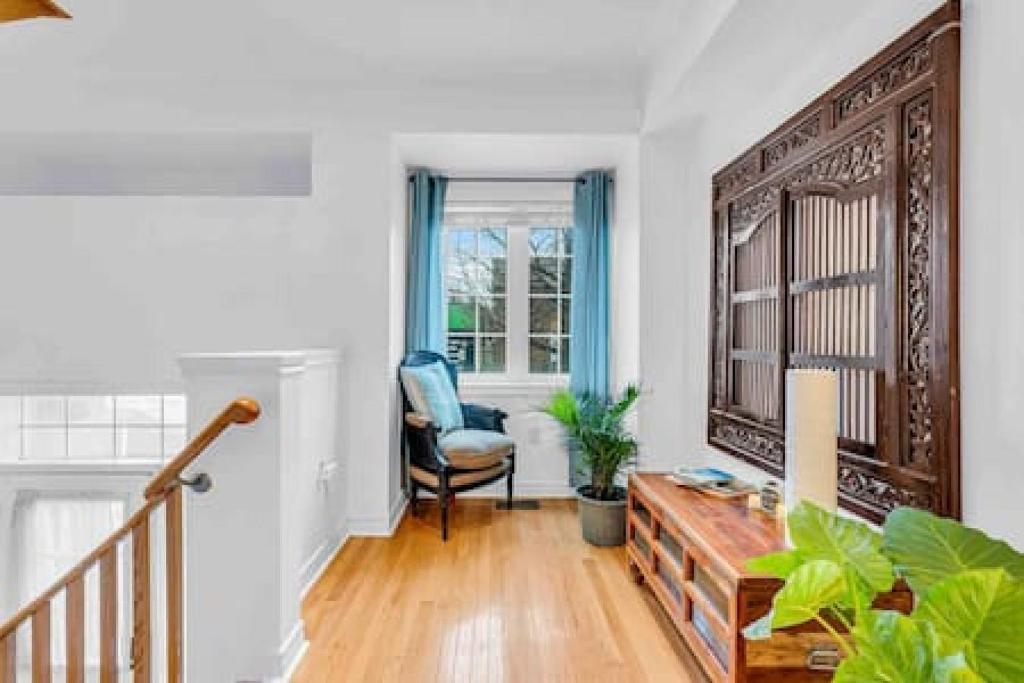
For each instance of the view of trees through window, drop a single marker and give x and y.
(489, 271)
(476, 275)
(550, 294)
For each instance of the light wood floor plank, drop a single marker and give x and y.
(513, 596)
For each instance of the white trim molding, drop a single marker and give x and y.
(317, 563)
(293, 649)
(397, 512)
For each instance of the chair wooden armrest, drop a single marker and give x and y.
(418, 420)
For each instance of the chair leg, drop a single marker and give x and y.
(442, 499)
(414, 499)
(511, 474)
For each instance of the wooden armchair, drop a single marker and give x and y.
(462, 459)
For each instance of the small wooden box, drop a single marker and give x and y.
(692, 551)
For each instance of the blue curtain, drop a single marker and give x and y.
(424, 301)
(590, 316)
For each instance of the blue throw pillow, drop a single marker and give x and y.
(431, 394)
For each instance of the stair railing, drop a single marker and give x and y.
(165, 489)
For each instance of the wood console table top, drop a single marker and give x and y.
(731, 532)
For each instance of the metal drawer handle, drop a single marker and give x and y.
(823, 658)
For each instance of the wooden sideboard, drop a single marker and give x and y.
(692, 550)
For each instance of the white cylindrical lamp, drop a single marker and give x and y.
(812, 399)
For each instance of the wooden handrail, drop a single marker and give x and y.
(239, 411)
(164, 488)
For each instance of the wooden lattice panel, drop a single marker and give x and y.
(834, 246)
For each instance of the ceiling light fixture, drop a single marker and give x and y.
(15, 10)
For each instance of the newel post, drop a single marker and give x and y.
(244, 537)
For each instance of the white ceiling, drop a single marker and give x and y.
(374, 42)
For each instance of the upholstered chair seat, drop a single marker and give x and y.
(475, 449)
(429, 479)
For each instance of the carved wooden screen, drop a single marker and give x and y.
(835, 246)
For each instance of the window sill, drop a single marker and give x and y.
(496, 387)
(132, 468)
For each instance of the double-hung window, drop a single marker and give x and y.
(508, 279)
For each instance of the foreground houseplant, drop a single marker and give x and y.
(968, 621)
(596, 432)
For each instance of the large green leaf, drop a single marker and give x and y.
(819, 534)
(981, 613)
(926, 549)
(629, 396)
(811, 587)
(894, 648)
(564, 407)
(780, 564)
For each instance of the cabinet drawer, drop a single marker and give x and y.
(800, 656)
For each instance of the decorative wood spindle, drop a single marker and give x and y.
(74, 628)
(108, 616)
(41, 644)
(9, 658)
(174, 587)
(141, 657)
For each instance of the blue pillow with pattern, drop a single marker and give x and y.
(430, 391)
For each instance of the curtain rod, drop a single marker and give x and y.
(512, 180)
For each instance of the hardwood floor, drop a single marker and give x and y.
(513, 596)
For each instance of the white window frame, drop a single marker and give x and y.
(517, 303)
(172, 434)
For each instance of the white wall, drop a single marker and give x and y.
(111, 290)
(991, 279)
(734, 94)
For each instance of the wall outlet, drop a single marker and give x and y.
(326, 470)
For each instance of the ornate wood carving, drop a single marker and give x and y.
(874, 494)
(917, 317)
(740, 174)
(860, 158)
(792, 140)
(856, 160)
(861, 186)
(720, 342)
(891, 77)
(766, 449)
(752, 207)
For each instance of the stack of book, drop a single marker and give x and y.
(711, 481)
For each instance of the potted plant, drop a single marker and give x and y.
(967, 624)
(595, 430)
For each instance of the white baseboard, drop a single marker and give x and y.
(292, 650)
(368, 526)
(397, 512)
(314, 567)
(380, 526)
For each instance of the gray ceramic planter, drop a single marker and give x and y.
(603, 521)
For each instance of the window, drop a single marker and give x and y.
(476, 272)
(508, 279)
(550, 296)
(55, 532)
(91, 427)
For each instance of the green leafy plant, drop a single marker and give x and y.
(968, 622)
(595, 429)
